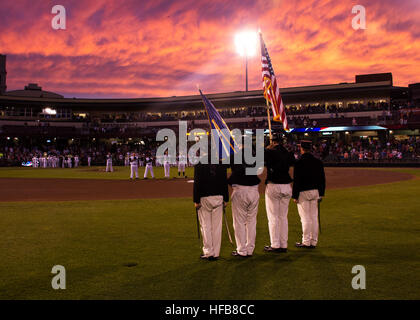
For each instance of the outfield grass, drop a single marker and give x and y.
(375, 226)
(97, 172)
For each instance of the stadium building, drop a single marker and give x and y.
(369, 107)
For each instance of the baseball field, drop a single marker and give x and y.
(121, 239)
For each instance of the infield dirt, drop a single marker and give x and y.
(40, 189)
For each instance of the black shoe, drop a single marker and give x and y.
(277, 250)
(204, 257)
(236, 254)
(312, 247)
(301, 245)
(211, 258)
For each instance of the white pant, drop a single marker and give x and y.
(109, 166)
(167, 169)
(181, 167)
(308, 212)
(244, 212)
(210, 216)
(149, 167)
(134, 170)
(277, 198)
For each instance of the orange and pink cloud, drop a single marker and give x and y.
(164, 48)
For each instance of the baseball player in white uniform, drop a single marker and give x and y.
(44, 161)
(89, 160)
(34, 162)
(134, 166)
(149, 167)
(109, 163)
(166, 165)
(182, 161)
(76, 161)
(127, 159)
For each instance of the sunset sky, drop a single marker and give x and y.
(141, 48)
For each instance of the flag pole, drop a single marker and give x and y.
(269, 124)
(198, 223)
(227, 225)
(319, 214)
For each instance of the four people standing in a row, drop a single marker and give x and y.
(211, 194)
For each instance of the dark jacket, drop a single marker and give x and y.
(278, 162)
(210, 180)
(308, 175)
(240, 177)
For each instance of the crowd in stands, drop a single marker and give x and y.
(167, 116)
(298, 117)
(124, 125)
(365, 150)
(334, 109)
(296, 114)
(246, 112)
(402, 116)
(329, 150)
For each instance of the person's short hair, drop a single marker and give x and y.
(278, 137)
(306, 145)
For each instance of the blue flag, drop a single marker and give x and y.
(223, 138)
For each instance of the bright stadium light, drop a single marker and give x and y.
(49, 111)
(246, 45)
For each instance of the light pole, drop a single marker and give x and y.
(246, 72)
(246, 44)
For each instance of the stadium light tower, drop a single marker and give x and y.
(246, 45)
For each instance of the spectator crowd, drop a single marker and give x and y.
(365, 150)
(329, 150)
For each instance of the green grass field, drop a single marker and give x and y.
(374, 226)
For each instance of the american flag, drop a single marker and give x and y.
(271, 90)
